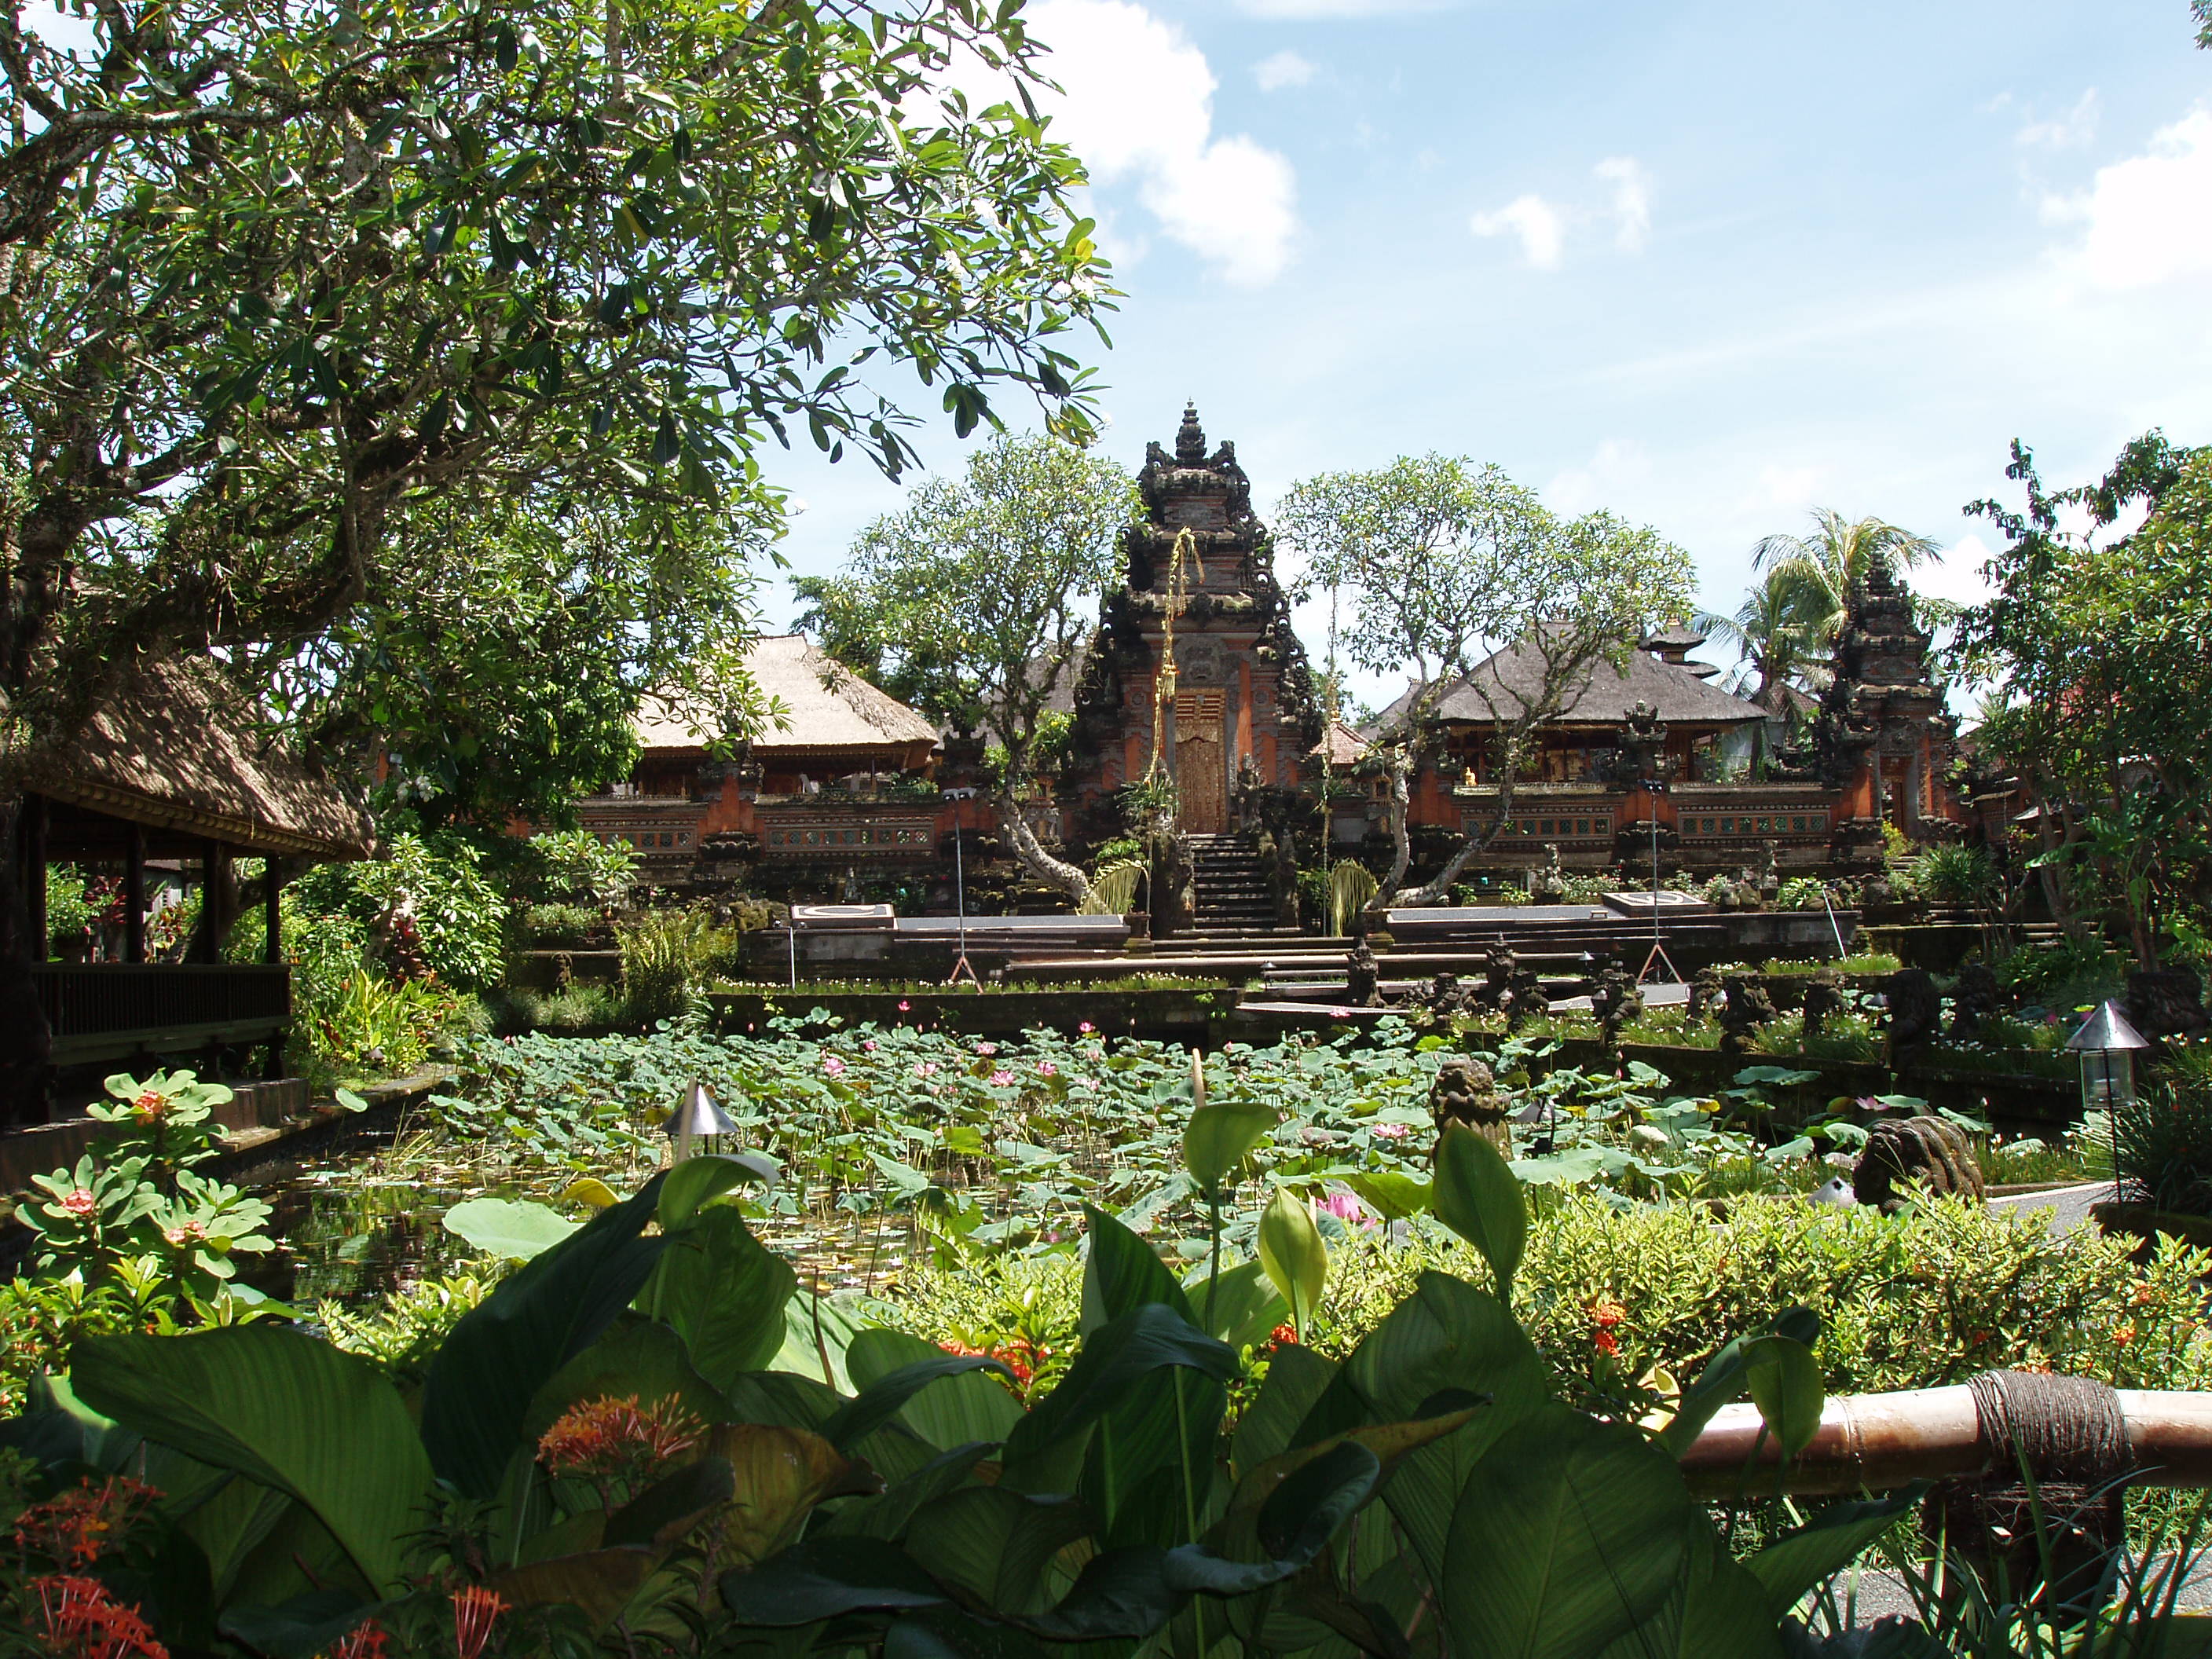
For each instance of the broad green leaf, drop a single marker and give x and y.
(500, 1353)
(1721, 1378)
(1784, 1381)
(1568, 1534)
(1297, 1377)
(1801, 1561)
(516, 1229)
(599, 1583)
(1240, 1307)
(688, 1187)
(1291, 1250)
(887, 1397)
(1479, 1198)
(723, 1292)
(639, 1360)
(1391, 1193)
(281, 1408)
(1120, 1273)
(824, 1577)
(1716, 1611)
(1219, 1135)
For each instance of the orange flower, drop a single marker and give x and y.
(2124, 1334)
(1605, 1342)
(607, 1437)
(476, 1610)
(1605, 1313)
(83, 1621)
(74, 1528)
(1284, 1335)
(365, 1641)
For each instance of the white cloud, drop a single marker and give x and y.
(2068, 132)
(2147, 220)
(1137, 105)
(1284, 69)
(1789, 487)
(1542, 228)
(1632, 201)
(1618, 467)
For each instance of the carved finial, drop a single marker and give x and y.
(1190, 438)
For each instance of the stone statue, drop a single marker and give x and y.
(1616, 1001)
(1744, 1007)
(1770, 877)
(1824, 999)
(1447, 999)
(1642, 748)
(1498, 964)
(1930, 1153)
(1916, 1012)
(1361, 971)
(1465, 1092)
(1548, 882)
(1523, 998)
(1974, 999)
(1704, 993)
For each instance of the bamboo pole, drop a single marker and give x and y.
(1872, 1441)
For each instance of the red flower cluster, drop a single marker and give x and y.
(150, 1104)
(83, 1621)
(1604, 1314)
(364, 1641)
(476, 1610)
(605, 1438)
(1022, 1359)
(1283, 1335)
(75, 1528)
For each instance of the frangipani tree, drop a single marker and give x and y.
(974, 602)
(1446, 563)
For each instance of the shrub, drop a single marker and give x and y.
(666, 956)
(575, 866)
(560, 925)
(1957, 874)
(2068, 974)
(1917, 1300)
(425, 908)
(2163, 1142)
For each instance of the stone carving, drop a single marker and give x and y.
(1883, 699)
(1642, 751)
(1361, 971)
(1498, 964)
(1744, 1007)
(1465, 1092)
(1523, 998)
(1930, 1153)
(1447, 999)
(1824, 999)
(1616, 1001)
(2166, 1002)
(1916, 1012)
(1704, 993)
(1548, 882)
(1770, 877)
(1974, 998)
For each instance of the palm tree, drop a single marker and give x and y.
(1778, 645)
(1818, 570)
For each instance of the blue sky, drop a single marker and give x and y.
(1708, 265)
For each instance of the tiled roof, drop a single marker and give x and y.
(825, 706)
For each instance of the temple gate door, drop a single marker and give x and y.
(1201, 762)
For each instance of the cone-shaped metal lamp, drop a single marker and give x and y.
(697, 1117)
(2107, 1044)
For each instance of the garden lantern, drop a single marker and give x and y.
(2106, 1043)
(698, 1118)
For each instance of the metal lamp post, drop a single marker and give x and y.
(698, 1118)
(2107, 1045)
(961, 963)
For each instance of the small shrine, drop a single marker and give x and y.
(1882, 737)
(1195, 675)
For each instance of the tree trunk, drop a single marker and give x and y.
(2055, 896)
(29, 1043)
(1436, 890)
(1057, 873)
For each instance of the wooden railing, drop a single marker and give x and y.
(114, 1011)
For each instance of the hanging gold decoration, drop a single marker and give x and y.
(1181, 561)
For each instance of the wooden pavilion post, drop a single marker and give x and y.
(272, 910)
(134, 894)
(34, 875)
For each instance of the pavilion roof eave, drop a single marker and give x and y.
(239, 834)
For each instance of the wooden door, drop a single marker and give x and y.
(1201, 762)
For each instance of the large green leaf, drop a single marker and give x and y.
(1122, 1272)
(1568, 1534)
(1240, 1307)
(1799, 1562)
(281, 1408)
(516, 1229)
(1721, 1379)
(1785, 1381)
(1479, 1198)
(688, 1188)
(502, 1353)
(943, 1398)
(639, 1360)
(1446, 1340)
(1717, 1611)
(724, 1293)
(1219, 1134)
(1008, 1552)
(823, 1577)
(1291, 1250)
(1115, 1362)
(1297, 1377)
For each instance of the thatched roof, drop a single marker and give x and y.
(179, 748)
(826, 707)
(1678, 692)
(1342, 746)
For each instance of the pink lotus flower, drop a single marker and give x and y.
(868, 1045)
(1086, 1028)
(1346, 1208)
(1046, 1068)
(80, 1203)
(1001, 1078)
(904, 1005)
(832, 1066)
(987, 1049)
(1391, 1131)
(925, 1068)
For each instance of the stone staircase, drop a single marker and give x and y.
(1231, 889)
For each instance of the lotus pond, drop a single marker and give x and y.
(891, 1141)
